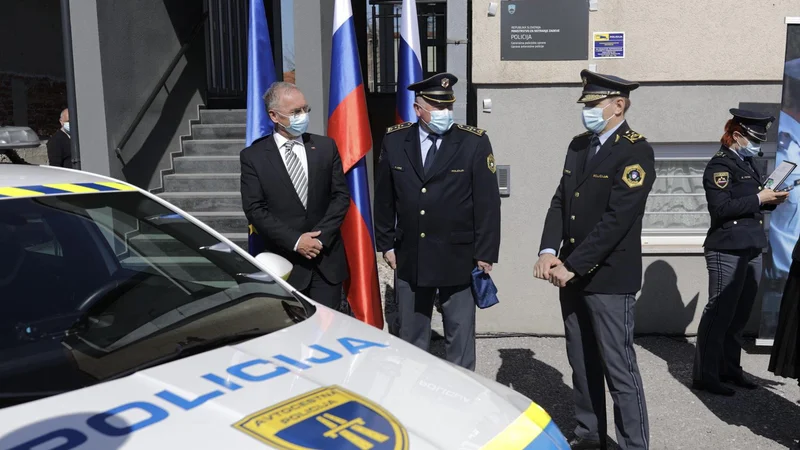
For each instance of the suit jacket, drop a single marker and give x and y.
(273, 207)
(597, 212)
(732, 186)
(442, 222)
(59, 152)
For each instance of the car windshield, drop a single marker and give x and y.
(96, 285)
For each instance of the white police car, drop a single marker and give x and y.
(127, 324)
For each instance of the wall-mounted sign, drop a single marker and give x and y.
(544, 30)
(609, 45)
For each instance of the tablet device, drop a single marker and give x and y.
(779, 175)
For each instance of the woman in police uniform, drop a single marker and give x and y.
(736, 201)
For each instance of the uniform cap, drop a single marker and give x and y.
(598, 86)
(755, 123)
(436, 89)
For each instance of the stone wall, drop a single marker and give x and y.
(46, 97)
(36, 155)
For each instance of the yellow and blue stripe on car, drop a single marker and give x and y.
(63, 188)
(532, 430)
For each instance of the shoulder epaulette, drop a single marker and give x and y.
(588, 133)
(633, 136)
(720, 154)
(471, 129)
(399, 126)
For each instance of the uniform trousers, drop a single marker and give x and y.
(599, 335)
(415, 305)
(733, 278)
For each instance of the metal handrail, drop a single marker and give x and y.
(161, 83)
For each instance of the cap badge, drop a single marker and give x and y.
(445, 82)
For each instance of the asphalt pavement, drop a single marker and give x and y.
(763, 419)
(680, 418)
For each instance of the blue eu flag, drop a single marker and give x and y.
(260, 75)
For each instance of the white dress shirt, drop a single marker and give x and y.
(425, 143)
(300, 150)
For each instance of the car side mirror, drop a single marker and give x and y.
(18, 137)
(275, 264)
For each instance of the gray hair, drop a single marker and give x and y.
(273, 95)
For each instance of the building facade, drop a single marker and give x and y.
(158, 106)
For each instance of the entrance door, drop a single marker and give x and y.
(226, 49)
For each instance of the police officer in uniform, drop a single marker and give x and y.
(596, 213)
(736, 198)
(437, 217)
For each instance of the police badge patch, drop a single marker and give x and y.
(721, 179)
(490, 163)
(329, 418)
(633, 176)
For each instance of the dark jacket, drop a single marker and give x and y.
(446, 220)
(732, 186)
(273, 207)
(597, 212)
(59, 152)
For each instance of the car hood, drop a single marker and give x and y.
(329, 382)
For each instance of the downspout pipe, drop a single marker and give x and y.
(69, 66)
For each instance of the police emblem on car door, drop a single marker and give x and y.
(328, 418)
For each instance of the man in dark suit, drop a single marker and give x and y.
(597, 213)
(437, 216)
(295, 194)
(59, 152)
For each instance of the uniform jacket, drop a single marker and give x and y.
(273, 207)
(732, 186)
(597, 212)
(445, 220)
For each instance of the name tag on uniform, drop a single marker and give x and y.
(398, 168)
(456, 170)
(745, 177)
(599, 175)
(567, 172)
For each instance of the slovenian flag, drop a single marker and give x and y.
(348, 125)
(260, 75)
(409, 62)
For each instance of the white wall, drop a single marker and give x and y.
(530, 129)
(667, 40)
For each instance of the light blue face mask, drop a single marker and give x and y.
(441, 121)
(593, 118)
(66, 127)
(750, 149)
(298, 124)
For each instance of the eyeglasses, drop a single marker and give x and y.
(296, 112)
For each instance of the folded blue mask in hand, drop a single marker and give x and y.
(483, 289)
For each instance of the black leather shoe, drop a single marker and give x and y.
(579, 443)
(739, 380)
(714, 388)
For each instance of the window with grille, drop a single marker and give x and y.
(677, 211)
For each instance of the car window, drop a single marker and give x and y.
(93, 285)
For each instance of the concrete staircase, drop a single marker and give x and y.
(205, 182)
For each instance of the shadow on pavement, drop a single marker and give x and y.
(762, 411)
(542, 383)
